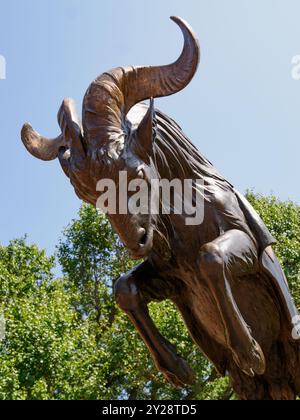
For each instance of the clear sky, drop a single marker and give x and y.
(242, 109)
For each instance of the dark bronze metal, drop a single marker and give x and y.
(222, 275)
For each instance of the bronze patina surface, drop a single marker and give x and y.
(222, 275)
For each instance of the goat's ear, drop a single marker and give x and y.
(144, 135)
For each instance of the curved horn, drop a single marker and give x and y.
(146, 82)
(41, 147)
(46, 149)
(113, 94)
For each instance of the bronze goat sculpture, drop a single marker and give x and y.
(222, 275)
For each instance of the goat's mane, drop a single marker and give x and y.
(174, 156)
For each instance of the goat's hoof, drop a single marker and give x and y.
(177, 371)
(251, 361)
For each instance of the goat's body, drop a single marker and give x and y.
(260, 294)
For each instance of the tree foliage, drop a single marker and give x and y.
(65, 337)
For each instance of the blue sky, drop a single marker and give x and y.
(242, 109)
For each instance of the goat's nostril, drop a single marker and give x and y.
(143, 236)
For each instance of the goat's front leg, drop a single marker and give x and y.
(133, 293)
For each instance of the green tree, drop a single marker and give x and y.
(38, 321)
(66, 339)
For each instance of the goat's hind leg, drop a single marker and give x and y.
(233, 255)
(133, 292)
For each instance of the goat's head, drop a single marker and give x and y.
(106, 143)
